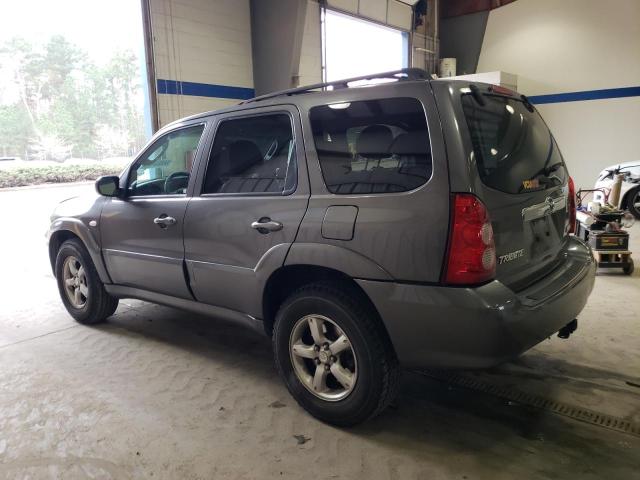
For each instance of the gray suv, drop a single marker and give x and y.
(415, 223)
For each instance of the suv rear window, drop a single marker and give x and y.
(515, 151)
(372, 146)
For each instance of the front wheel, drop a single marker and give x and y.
(334, 355)
(81, 290)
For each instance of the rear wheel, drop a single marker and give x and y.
(81, 290)
(628, 268)
(633, 202)
(334, 355)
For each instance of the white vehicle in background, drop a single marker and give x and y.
(630, 190)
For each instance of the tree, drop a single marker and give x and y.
(56, 102)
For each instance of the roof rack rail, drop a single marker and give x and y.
(404, 74)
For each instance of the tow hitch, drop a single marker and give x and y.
(566, 331)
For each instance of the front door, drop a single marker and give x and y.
(247, 207)
(142, 232)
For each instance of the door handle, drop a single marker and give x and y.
(164, 221)
(266, 225)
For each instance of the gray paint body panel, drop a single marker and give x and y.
(74, 215)
(139, 253)
(404, 233)
(228, 261)
(444, 327)
(339, 222)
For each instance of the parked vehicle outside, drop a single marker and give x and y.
(416, 223)
(630, 189)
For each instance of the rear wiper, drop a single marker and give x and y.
(551, 168)
(547, 170)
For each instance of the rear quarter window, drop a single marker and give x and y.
(372, 146)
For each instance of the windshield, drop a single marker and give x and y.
(514, 150)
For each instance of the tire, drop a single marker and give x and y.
(633, 197)
(94, 304)
(369, 357)
(629, 267)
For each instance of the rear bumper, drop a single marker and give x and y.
(448, 327)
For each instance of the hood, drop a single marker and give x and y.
(78, 206)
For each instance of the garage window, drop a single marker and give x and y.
(372, 146)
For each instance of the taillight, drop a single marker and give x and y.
(571, 207)
(471, 254)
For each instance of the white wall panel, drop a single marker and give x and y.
(374, 9)
(390, 12)
(201, 41)
(310, 70)
(568, 46)
(399, 15)
(345, 5)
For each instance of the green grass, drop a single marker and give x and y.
(19, 177)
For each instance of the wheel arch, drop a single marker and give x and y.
(288, 278)
(64, 230)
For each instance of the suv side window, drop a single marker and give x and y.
(372, 146)
(253, 155)
(165, 167)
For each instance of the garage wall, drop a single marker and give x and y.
(579, 61)
(202, 55)
(310, 70)
(389, 12)
(461, 38)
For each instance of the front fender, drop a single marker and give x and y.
(63, 227)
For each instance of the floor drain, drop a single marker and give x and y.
(577, 413)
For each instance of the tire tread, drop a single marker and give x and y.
(375, 335)
(103, 304)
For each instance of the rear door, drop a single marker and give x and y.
(250, 199)
(517, 170)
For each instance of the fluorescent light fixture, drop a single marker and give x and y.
(339, 106)
(510, 109)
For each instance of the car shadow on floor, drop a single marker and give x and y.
(430, 418)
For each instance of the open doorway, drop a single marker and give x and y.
(72, 95)
(353, 47)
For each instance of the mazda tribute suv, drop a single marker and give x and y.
(417, 223)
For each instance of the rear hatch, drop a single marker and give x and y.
(522, 180)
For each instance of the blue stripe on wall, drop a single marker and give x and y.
(175, 87)
(586, 95)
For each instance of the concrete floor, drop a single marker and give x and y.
(158, 393)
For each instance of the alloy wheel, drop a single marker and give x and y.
(75, 282)
(323, 357)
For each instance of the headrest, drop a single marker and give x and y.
(242, 155)
(414, 143)
(374, 140)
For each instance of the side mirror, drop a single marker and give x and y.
(108, 186)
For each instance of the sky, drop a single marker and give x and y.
(355, 47)
(98, 27)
